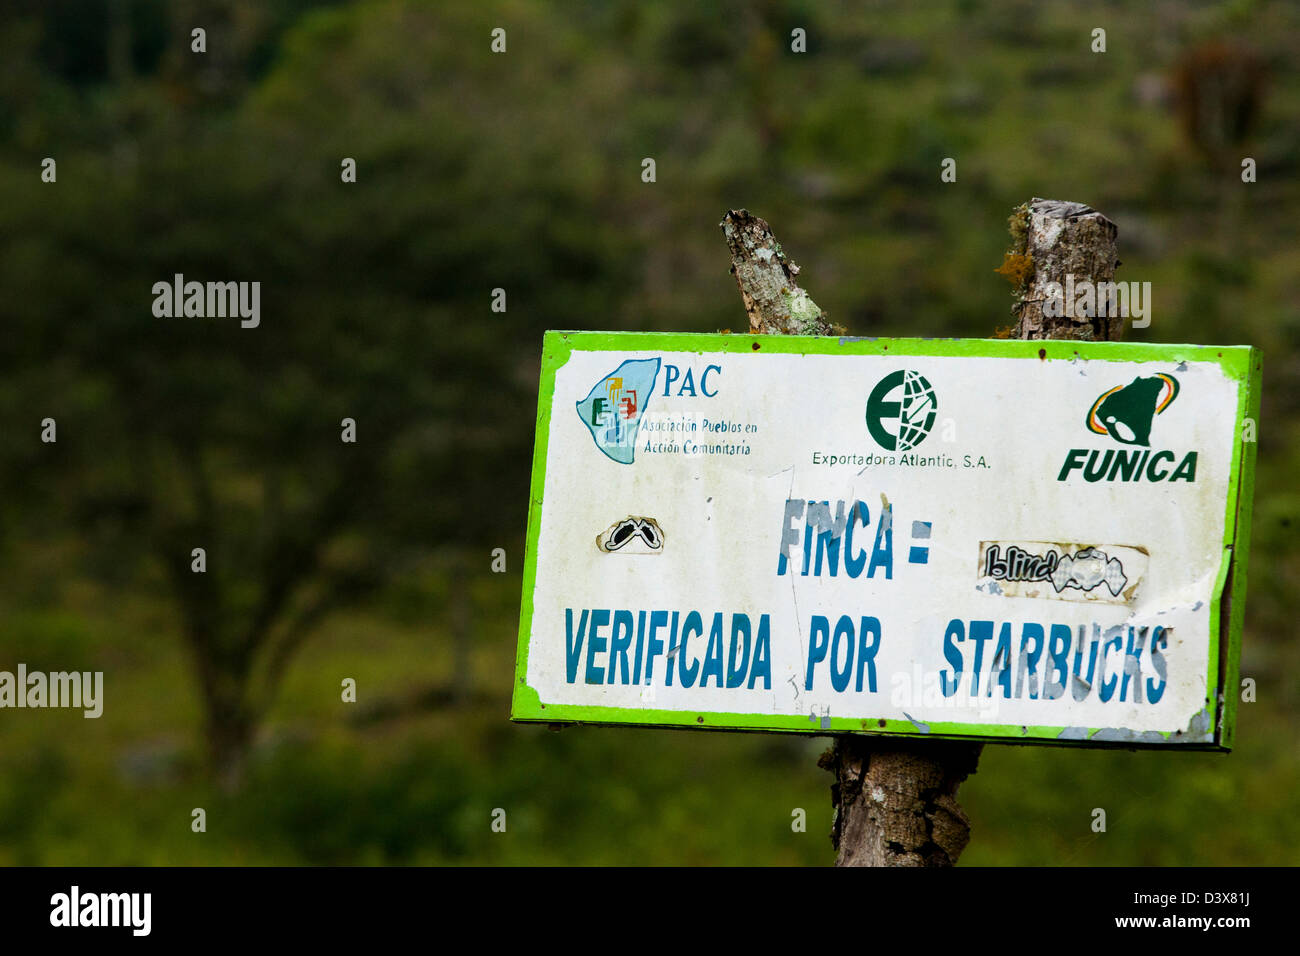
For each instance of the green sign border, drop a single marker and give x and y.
(1212, 729)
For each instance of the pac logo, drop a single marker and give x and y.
(1125, 411)
(901, 410)
(613, 408)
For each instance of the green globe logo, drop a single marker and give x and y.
(901, 410)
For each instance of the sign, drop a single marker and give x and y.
(1021, 541)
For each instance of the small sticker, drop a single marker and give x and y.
(632, 535)
(1105, 574)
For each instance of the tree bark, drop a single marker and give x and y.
(1052, 240)
(895, 799)
(766, 277)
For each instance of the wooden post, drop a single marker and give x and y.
(1052, 240)
(895, 799)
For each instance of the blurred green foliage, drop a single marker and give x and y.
(521, 171)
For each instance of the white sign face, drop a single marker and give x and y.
(1009, 540)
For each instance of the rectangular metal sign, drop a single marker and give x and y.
(1022, 541)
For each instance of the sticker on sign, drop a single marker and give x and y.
(1031, 541)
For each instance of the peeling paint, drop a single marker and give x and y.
(819, 517)
(923, 728)
(1198, 728)
(1198, 731)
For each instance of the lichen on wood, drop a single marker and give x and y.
(766, 277)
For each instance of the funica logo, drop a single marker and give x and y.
(1125, 413)
(75, 908)
(901, 410)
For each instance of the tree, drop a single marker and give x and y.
(185, 432)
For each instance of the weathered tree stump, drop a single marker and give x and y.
(1051, 240)
(766, 277)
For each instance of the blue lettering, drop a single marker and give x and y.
(870, 627)
(1081, 685)
(1058, 653)
(572, 649)
(640, 646)
(694, 623)
(789, 533)
(883, 556)
(1133, 664)
(980, 632)
(1001, 672)
(762, 655)
(736, 672)
(828, 541)
(817, 646)
(713, 654)
(854, 564)
(596, 644)
(1029, 659)
(843, 634)
(1108, 684)
(1159, 641)
(672, 649)
(955, 631)
(618, 647)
